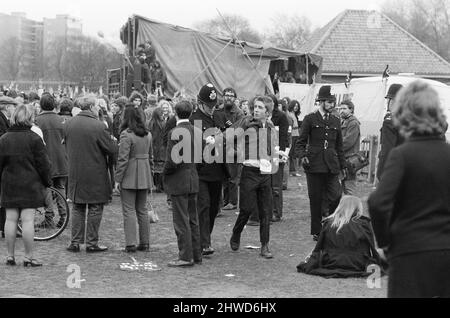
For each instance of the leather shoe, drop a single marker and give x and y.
(208, 251)
(74, 248)
(180, 263)
(198, 262)
(96, 249)
(130, 249)
(265, 252)
(143, 248)
(275, 219)
(235, 242)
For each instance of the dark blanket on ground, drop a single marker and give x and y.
(344, 254)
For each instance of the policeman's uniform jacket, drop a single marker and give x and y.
(321, 142)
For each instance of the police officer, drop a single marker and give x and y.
(211, 175)
(390, 136)
(320, 149)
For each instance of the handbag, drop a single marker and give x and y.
(356, 162)
(152, 215)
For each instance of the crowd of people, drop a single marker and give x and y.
(92, 148)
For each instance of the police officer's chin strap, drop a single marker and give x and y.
(207, 110)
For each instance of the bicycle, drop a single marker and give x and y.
(47, 229)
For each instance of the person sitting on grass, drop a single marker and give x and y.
(346, 245)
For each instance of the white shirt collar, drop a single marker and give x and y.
(322, 113)
(182, 121)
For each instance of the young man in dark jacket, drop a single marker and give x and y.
(181, 183)
(255, 184)
(53, 129)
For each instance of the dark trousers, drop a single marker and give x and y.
(208, 207)
(292, 159)
(186, 225)
(2, 219)
(420, 275)
(230, 187)
(60, 184)
(324, 192)
(256, 191)
(94, 215)
(277, 191)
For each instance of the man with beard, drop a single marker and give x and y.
(232, 114)
(320, 149)
(351, 136)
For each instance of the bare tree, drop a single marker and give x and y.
(427, 20)
(239, 25)
(11, 58)
(289, 31)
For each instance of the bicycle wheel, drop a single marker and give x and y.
(52, 219)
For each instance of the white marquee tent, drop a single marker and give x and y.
(368, 96)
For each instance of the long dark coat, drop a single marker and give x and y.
(159, 149)
(344, 254)
(24, 169)
(89, 145)
(52, 127)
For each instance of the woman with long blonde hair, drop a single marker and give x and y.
(346, 245)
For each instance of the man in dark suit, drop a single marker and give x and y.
(7, 106)
(181, 183)
(320, 148)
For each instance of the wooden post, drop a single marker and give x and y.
(373, 159)
(307, 69)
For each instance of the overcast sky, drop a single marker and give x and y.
(108, 16)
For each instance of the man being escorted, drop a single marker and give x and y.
(181, 183)
(255, 184)
(320, 149)
(351, 137)
(88, 147)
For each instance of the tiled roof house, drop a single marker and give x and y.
(364, 42)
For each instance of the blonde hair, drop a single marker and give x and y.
(350, 208)
(22, 116)
(417, 111)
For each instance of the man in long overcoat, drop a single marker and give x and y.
(89, 146)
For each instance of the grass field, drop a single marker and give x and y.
(225, 274)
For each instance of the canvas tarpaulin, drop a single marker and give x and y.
(185, 55)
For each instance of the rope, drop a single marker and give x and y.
(244, 51)
(207, 66)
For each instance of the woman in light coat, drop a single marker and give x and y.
(134, 178)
